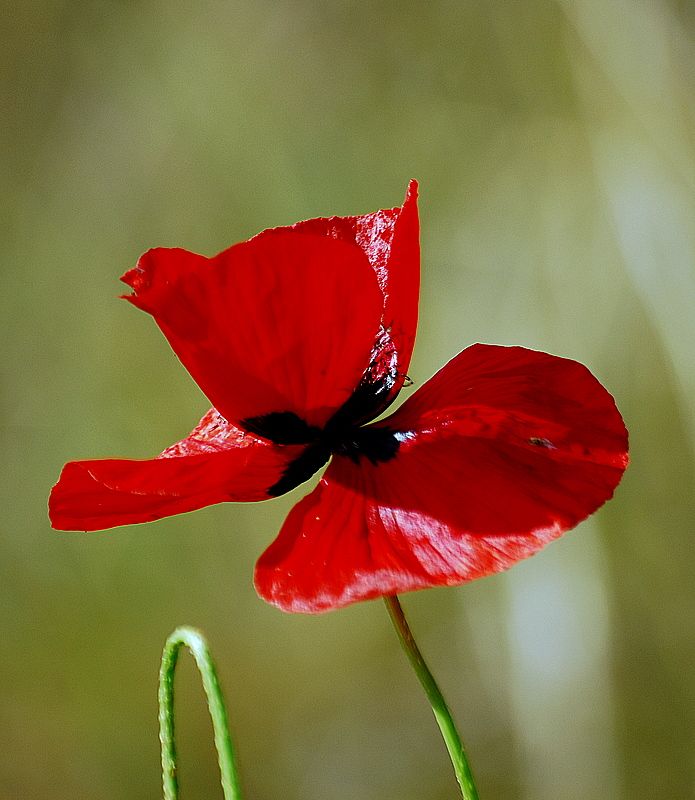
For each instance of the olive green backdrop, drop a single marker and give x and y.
(555, 146)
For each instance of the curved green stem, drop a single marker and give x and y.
(196, 643)
(434, 695)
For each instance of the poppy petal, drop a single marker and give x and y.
(390, 238)
(215, 463)
(282, 323)
(502, 451)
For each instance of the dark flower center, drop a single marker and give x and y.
(339, 437)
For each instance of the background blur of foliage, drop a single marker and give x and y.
(555, 145)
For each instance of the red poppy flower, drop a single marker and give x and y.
(300, 337)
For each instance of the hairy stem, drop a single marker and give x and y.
(198, 647)
(439, 707)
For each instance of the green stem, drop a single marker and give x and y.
(196, 643)
(434, 695)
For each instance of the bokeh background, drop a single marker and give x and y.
(555, 146)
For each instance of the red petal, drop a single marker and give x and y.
(215, 463)
(390, 238)
(283, 322)
(513, 395)
(501, 452)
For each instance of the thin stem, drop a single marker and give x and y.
(198, 647)
(441, 711)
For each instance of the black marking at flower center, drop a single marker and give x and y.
(375, 444)
(282, 427)
(338, 437)
(301, 469)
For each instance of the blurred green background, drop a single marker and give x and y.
(555, 146)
